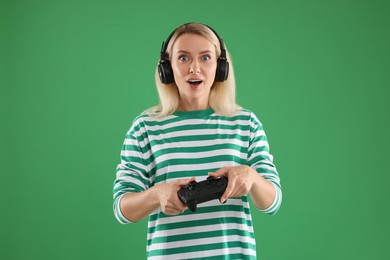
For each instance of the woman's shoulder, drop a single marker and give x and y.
(246, 112)
(149, 118)
(139, 119)
(250, 115)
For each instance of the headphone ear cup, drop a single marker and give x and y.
(165, 72)
(222, 70)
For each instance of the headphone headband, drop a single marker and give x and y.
(164, 46)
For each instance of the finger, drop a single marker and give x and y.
(172, 211)
(237, 189)
(238, 193)
(184, 182)
(228, 192)
(190, 180)
(179, 205)
(176, 206)
(221, 172)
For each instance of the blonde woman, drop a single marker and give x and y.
(197, 131)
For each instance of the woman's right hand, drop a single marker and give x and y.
(168, 199)
(137, 205)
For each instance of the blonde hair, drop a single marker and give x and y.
(223, 94)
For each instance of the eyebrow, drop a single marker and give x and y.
(186, 52)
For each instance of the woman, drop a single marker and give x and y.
(197, 131)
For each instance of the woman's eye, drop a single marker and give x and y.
(183, 58)
(206, 57)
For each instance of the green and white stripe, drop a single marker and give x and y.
(188, 144)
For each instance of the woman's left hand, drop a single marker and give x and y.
(241, 179)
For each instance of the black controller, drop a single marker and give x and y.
(198, 192)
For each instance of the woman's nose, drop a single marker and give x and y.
(194, 67)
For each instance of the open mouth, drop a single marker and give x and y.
(194, 82)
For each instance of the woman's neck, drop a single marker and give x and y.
(193, 105)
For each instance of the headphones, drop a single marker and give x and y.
(165, 69)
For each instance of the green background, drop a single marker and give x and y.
(74, 74)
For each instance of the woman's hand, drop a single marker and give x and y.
(138, 205)
(167, 196)
(241, 179)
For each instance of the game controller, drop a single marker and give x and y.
(198, 192)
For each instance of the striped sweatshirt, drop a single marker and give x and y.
(188, 144)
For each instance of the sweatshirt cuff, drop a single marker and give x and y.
(117, 211)
(271, 210)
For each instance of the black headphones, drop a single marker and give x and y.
(165, 68)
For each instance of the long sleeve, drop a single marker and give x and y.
(132, 174)
(260, 159)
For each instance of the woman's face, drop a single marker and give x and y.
(194, 63)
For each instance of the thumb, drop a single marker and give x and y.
(184, 182)
(221, 172)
